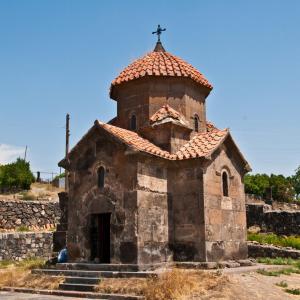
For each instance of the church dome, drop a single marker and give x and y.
(163, 64)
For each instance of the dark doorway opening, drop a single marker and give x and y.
(100, 238)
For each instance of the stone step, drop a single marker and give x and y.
(98, 267)
(79, 287)
(93, 274)
(73, 294)
(83, 280)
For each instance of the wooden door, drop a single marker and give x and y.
(100, 238)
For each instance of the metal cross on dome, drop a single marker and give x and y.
(158, 32)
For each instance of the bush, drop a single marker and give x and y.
(16, 176)
(271, 238)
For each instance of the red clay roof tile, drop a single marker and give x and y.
(201, 145)
(161, 64)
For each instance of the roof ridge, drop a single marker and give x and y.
(203, 144)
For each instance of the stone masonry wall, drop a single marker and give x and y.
(225, 216)
(32, 214)
(18, 246)
(257, 250)
(277, 221)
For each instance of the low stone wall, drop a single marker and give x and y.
(257, 250)
(18, 246)
(274, 205)
(277, 221)
(32, 214)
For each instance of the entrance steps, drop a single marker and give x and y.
(93, 274)
(84, 277)
(99, 267)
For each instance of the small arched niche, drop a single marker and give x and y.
(133, 123)
(225, 184)
(101, 177)
(196, 123)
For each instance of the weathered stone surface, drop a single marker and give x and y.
(159, 209)
(225, 217)
(277, 221)
(18, 246)
(39, 214)
(259, 250)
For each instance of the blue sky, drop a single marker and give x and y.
(60, 56)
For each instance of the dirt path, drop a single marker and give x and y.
(254, 286)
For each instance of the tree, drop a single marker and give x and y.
(257, 184)
(16, 175)
(295, 179)
(282, 188)
(262, 184)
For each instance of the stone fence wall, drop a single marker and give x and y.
(32, 214)
(257, 250)
(18, 246)
(275, 205)
(269, 220)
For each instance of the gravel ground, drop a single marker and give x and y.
(21, 296)
(242, 286)
(254, 286)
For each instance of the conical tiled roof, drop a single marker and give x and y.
(160, 63)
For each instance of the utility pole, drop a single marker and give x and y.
(25, 154)
(67, 150)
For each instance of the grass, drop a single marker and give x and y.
(282, 284)
(293, 291)
(28, 196)
(171, 285)
(5, 263)
(46, 186)
(271, 238)
(288, 271)
(17, 277)
(278, 261)
(293, 263)
(26, 264)
(18, 274)
(22, 228)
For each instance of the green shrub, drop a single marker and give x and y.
(16, 176)
(288, 271)
(271, 238)
(62, 175)
(282, 284)
(293, 291)
(278, 261)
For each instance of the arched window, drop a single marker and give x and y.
(196, 123)
(225, 184)
(101, 177)
(133, 122)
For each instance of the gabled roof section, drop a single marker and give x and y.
(134, 140)
(167, 114)
(201, 145)
(160, 63)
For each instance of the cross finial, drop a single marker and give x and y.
(158, 32)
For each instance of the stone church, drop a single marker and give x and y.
(159, 182)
